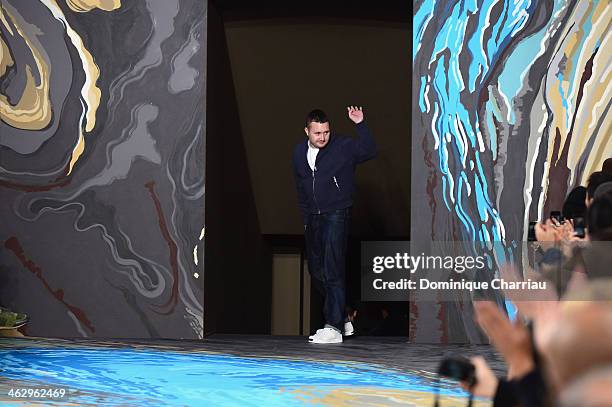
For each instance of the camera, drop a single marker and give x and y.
(531, 234)
(458, 368)
(556, 215)
(579, 227)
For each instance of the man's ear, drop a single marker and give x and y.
(306, 130)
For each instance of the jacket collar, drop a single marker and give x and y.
(323, 151)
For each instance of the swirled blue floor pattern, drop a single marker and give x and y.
(137, 376)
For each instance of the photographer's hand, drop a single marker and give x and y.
(547, 232)
(486, 381)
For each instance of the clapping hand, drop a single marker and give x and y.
(355, 114)
(511, 340)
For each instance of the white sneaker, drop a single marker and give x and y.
(326, 335)
(348, 328)
(313, 335)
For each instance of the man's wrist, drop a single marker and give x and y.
(519, 366)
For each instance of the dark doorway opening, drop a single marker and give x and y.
(268, 65)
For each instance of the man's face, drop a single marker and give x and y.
(318, 134)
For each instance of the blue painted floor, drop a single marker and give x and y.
(141, 375)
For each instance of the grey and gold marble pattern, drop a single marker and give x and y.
(102, 125)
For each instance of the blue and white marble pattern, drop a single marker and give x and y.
(510, 102)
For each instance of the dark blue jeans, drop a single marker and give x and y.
(326, 242)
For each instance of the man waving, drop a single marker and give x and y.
(324, 170)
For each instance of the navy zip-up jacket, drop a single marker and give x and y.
(330, 186)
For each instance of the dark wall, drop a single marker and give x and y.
(101, 168)
(283, 67)
(238, 263)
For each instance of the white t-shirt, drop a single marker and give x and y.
(311, 155)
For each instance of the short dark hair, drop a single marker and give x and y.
(599, 217)
(596, 179)
(607, 166)
(574, 206)
(603, 189)
(317, 116)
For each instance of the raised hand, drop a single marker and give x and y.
(355, 114)
(511, 340)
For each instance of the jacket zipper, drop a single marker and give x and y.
(313, 190)
(336, 182)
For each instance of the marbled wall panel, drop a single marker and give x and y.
(510, 112)
(102, 126)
